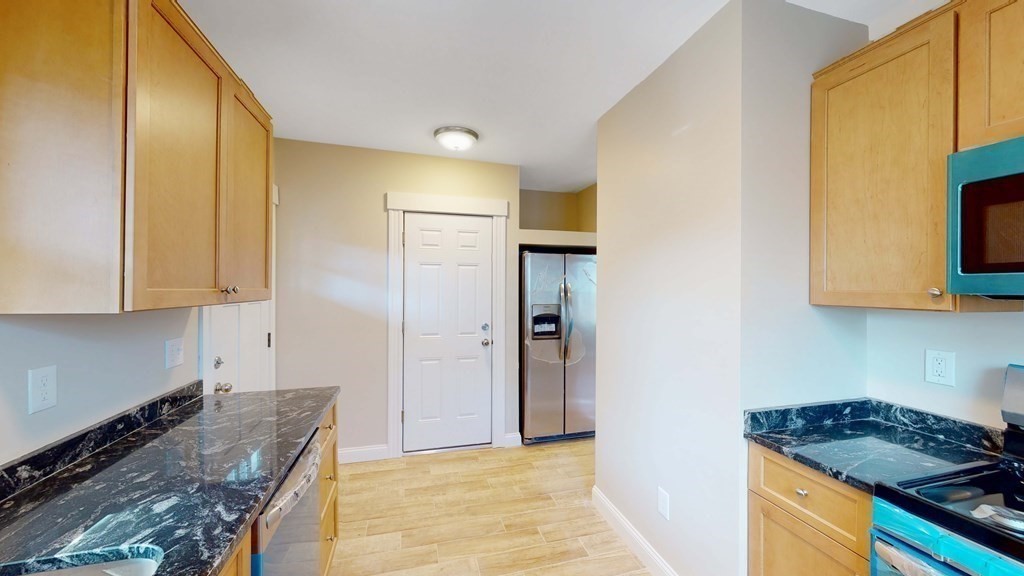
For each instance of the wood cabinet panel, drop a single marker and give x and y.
(841, 512)
(62, 103)
(175, 163)
(882, 127)
(247, 244)
(781, 545)
(240, 563)
(991, 58)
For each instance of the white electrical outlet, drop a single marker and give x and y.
(940, 367)
(663, 507)
(174, 352)
(42, 389)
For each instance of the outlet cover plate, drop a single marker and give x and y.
(663, 503)
(174, 352)
(940, 367)
(42, 389)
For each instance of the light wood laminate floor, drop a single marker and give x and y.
(517, 511)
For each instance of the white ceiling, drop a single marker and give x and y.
(532, 76)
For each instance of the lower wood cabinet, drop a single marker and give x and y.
(328, 490)
(781, 545)
(240, 563)
(803, 523)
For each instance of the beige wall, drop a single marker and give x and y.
(703, 174)
(332, 269)
(668, 408)
(539, 210)
(586, 209)
(569, 211)
(105, 365)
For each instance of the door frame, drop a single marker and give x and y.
(398, 203)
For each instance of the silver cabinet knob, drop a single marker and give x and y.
(226, 289)
(222, 387)
(934, 292)
(234, 290)
(802, 493)
(486, 342)
(217, 362)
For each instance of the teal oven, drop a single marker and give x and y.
(986, 221)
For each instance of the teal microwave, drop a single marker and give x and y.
(986, 221)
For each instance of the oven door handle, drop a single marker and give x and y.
(901, 562)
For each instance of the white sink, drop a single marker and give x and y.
(136, 567)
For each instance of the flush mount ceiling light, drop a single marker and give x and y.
(456, 138)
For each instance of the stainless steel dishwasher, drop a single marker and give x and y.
(286, 536)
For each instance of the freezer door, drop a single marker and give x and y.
(543, 371)
(581, 342)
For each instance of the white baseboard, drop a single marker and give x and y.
(363, 454)
(512, 440)
(636, 542)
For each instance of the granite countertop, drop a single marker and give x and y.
(861, 442)
(182, 490)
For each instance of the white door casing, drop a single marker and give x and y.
(447, 389)
(398, 205)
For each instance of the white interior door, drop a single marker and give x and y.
(447, 336)
(237, 347)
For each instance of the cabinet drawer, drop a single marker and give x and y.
(328, 536)
(328, 424)
(781, 545)
(328, 472)
(841, 512)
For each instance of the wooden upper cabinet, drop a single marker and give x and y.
(175, 132)
(62, 86)
(247, 243)
(991, 106)
(137, 166)
(882, 127)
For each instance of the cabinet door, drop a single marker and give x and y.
(62, 82)
(781, 545)
(246, 243)
(991, 72)
(240, 563)
(882, 126)
(175, 162)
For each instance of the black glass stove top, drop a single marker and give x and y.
(982, 502)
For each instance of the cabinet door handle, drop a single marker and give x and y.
(234, 290)
(332, 538)
(934, 292)
(802, 493)
(329, 477)
(226, 289)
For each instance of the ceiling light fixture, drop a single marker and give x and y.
(456, 138)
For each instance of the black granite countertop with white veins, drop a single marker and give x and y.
(861, 442)
(182, 490)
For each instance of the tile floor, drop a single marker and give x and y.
(517, 511)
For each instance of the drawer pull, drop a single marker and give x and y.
(330, 477)
(332, 538)
(802, 493)
(331, 426)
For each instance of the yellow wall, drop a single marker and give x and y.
(574, 212)
(332, 269)
(586, 209)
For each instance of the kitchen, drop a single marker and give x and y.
(709, 157)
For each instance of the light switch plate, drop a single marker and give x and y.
(940, 367)
(174, 352)
(42, 389)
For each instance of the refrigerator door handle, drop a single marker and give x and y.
(561, 312)
(569, 321)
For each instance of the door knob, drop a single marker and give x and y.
(218, 362)
(485, 327)
(486, 342)
(222, 388)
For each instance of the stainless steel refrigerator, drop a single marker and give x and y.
(558, 344)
